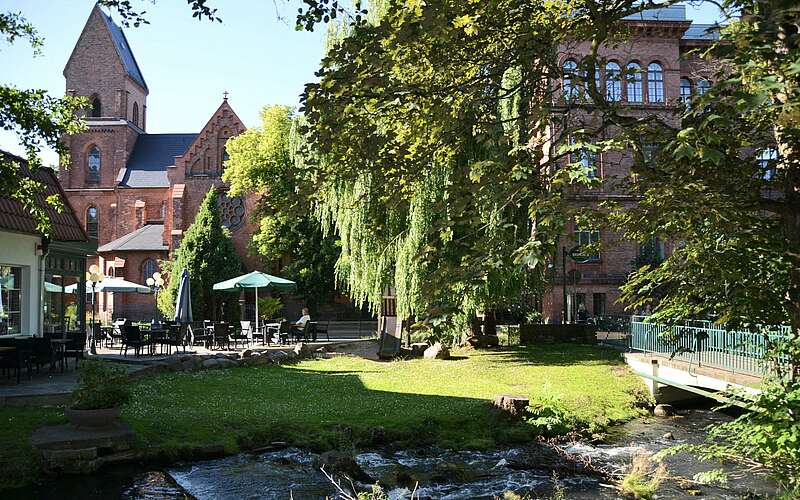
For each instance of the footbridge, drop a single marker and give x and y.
(699, 358)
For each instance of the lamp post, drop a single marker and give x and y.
(156, 282)
(94, 276)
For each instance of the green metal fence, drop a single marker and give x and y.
(706, 344)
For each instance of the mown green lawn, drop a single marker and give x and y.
(18, 464)
(353, 402)
(342, 401)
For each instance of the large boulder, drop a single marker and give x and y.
(437, 351)
(339, 462)
(664, 410)
(213, 363)
(303, 350)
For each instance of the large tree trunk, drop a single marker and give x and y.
(489, 322)
(789, 155)
(474, 326)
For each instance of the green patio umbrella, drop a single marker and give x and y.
(256, 279)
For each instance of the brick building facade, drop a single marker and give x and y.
(137, 192)
(649, 73)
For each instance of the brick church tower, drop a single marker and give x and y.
(138, 192)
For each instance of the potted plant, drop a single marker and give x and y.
(102, 389)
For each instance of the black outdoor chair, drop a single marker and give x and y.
(43, 353)
(252, 335)
(132, 337)
(317, 330)
(171, 337)
(206, 334)
(240, 335)
(17, 359)
(301, 333)
(281, 332)
(76, 348)
(116, 331)
(222, 337)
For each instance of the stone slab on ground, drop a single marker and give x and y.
(42, 389)
(73, 450)
(512, 405)
(116, 437)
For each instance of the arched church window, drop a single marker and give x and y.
(231, 210)
(97, 108)
(148, 269)
(93, 164)
(91, 222)
(136, 114)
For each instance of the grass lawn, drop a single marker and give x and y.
(353, 402)
(17, 462)
(349, 401)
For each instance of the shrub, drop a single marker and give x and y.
(548, 417)
(100, 386)
(268, 307)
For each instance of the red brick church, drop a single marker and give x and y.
(139, 192)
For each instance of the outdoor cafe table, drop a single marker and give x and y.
(155, 335)
(61, 346)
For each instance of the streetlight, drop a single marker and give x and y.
(155, 283)
(94, 276)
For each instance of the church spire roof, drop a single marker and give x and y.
(123, 49)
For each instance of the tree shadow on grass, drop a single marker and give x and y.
(309, 408)
(555, 354)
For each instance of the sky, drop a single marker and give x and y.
(187, 64)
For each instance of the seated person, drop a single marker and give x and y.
(297, 326)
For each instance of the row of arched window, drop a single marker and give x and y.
(634, 76)
(687, 89)
(96, 110)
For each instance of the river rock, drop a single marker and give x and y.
(663, 410)
(437, 351)
(668, 436)
(303, 350)
(339, 462)
(213, 363)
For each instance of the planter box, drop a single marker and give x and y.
(535, 334)
(95, 419)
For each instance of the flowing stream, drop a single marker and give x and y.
(440, 474)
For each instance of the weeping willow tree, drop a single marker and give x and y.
(431, 162)
(427, 148)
